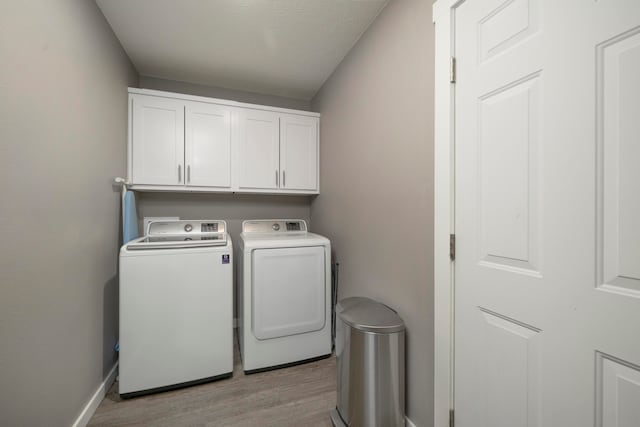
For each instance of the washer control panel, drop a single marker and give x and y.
(179, 227)
(209, 227)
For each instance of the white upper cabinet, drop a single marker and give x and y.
(191, 143)
(157, 156)
(258, 148)
(298, 152)
(207, 145)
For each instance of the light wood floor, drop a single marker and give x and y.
(297, 396)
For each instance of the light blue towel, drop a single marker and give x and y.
(130, 222)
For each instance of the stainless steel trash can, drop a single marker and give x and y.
(370, 365)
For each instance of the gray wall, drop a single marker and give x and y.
(376, 176)
(63, 121)
(147, 82)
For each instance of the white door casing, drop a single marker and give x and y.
(208, 145)
(547, 301)
(158, 141)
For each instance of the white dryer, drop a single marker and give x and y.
(176, 301)
(284, 294)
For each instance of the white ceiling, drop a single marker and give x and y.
(277, 47)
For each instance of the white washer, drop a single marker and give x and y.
(176, 301)
(284, 294)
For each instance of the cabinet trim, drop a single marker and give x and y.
(163, 94)
(193, 189)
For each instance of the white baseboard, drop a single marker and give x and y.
(93, 403)
(408, 422)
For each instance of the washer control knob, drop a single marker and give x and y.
(276, 227)
(188, 228)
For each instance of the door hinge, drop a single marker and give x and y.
(451, 418)
(452, 246)
(452, 69)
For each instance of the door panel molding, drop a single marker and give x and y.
(511, 357)
(617, 391)
(618, 154)
(510, 240)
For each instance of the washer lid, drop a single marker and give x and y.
(178, 234)
(368, 315)
(177, 242)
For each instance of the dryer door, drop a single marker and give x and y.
(288, 291)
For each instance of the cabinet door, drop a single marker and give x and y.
(208, 145)
(157, 141)
(258, 149)
(299, 152)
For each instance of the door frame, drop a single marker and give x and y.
(444, 212)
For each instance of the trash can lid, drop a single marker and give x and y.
(368, 315)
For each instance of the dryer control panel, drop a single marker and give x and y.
(274, 226)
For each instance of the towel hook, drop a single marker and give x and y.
(121, 181)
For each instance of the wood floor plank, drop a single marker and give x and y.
(297, 396)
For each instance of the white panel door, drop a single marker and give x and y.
(208, 145)
(258, 148)
(299, 152)
(547, 202)
(157, 141)
(288, 291)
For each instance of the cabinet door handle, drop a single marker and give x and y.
(188, 174)
(284, 179)
(179, 173)
(277, 177)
